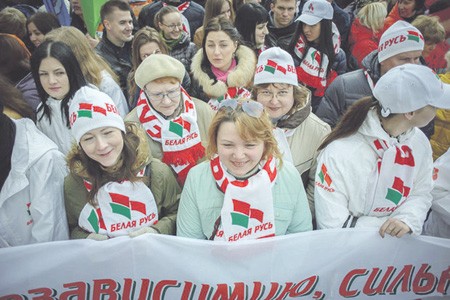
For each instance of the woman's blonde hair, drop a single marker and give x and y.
(248, 127)
(90, 62)
(372, 15)
(430, 28)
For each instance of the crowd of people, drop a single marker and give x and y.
(224, 120)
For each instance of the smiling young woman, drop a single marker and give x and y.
(223, 68)
(248, 191)
(110, 162)
(58, 76)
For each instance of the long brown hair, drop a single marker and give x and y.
(352, 120)
(97, 176)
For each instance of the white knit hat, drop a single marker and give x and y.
(275, 66)
(399, 38)
(315, 10)
(410, 87)
(92, 109)
(158, 66)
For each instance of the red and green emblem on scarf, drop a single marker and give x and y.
(178, 125)
(242, 213)
(398, 191)
(122, 205)
(96, 220)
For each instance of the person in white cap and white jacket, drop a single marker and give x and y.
(438, 221)
(395, 49)
(298, 131)
(376, 167)
(316, 48)
(115, 187)
(32, 172)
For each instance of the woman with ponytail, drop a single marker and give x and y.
(375, 168)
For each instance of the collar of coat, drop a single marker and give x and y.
(299, 113)
(241, 76)
(142, 159)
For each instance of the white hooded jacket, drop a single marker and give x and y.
(350, 162)
(32, 197)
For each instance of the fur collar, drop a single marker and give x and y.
(242, 76)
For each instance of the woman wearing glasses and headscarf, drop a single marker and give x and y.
(176, 124)
(247, 191)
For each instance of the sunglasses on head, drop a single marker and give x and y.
(252, 108)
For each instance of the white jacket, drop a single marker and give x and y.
(32, 197)
(438, 222)
(57, 130)
(350, 162)
(112, 89)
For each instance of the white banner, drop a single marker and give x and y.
(325, 264)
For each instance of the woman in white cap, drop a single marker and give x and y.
(176, 124)
(376, 167)
(316, 50)
(115, 187)
(223, 68)
(247, 190)
(298, 131)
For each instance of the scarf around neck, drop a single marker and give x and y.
(313, 69)
(122, 207)
(179, 137)
(223, 75)
(392, 176)
(247, 211)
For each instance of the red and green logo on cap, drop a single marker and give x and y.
(272, 66)
(414, 36)
(86, 110)
(242, 213)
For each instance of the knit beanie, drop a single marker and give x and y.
(399, 38)
(158, 66)
(275, 66)
(91, 109)
(315, 10)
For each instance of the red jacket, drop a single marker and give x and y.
(362, 41)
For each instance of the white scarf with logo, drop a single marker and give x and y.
(122, 207)
(247, 211)
(392, 177)
(179, 137)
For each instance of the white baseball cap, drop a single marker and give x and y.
(410, 87)
(315, 10)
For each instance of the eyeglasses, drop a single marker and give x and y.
(252, 108)
(268, 95)
(172, 95)
(174, 26)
